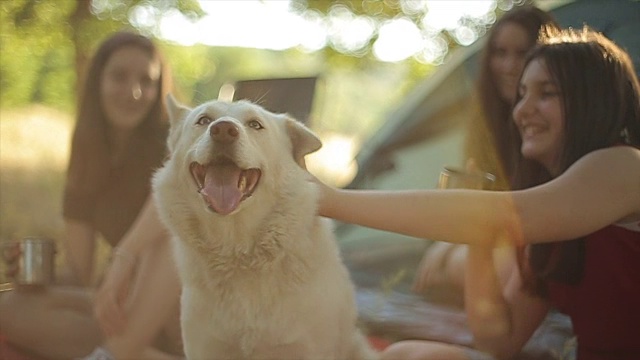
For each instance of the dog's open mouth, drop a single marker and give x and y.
(224, 185)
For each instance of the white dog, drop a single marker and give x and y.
(261, 272)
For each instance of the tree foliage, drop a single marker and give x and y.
(415, 11)
(32, 52)
(45, 45)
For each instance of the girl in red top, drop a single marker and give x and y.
(575, 219)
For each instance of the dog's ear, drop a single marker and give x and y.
(303, 141)
(176, 111)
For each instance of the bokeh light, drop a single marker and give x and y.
(274, 25)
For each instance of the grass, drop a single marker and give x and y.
(34, 147)
(34, 150)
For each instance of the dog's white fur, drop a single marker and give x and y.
(264, 281)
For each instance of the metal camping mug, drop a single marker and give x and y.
(36, 262)
(455, 178)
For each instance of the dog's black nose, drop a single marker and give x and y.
(224, 131)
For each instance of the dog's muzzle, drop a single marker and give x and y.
(222, 184)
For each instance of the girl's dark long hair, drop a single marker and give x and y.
(90, 138)
(489, 141)
(601, 107)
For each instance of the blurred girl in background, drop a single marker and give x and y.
(118, 142)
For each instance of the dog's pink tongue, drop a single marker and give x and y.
(221, 188)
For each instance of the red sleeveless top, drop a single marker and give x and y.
(605, 306)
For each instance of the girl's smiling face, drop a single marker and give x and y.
(538, 115)
(508, 51)
(129, 87)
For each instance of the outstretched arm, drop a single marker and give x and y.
(457, 216)
(600, 189)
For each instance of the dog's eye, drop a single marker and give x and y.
(255, 124)
(204, 120)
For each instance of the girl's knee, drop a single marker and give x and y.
(423, 350)
(399, 350)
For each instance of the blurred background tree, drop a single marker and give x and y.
(46, 44)
(439, 35)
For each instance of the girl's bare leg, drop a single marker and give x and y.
(55, 322)
(154, 305)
